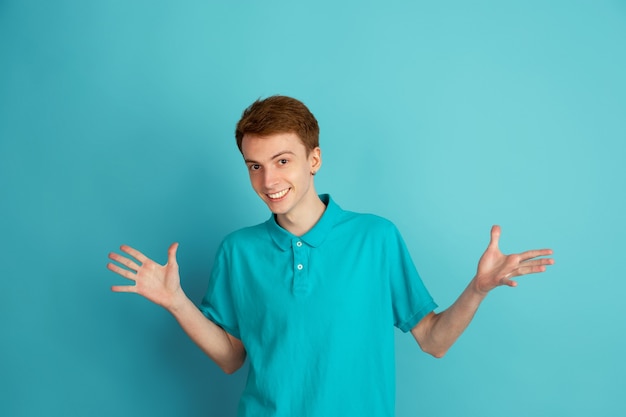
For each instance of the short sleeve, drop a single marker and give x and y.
(411, 300)
(217, 304)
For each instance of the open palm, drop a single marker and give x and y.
(496, 269)
(158, 283)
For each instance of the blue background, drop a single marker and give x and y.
(116, 126)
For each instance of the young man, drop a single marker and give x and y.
(312, 294)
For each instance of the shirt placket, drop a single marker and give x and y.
(301, 285)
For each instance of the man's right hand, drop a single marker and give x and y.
(158, 283)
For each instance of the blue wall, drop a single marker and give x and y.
(116, 126)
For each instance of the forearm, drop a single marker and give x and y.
(227, 352)
(435, 333)
(438, 332)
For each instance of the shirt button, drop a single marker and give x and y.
(299, 244)
(299, 266)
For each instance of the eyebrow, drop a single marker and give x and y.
(251, 161)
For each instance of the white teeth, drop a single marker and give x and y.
(278, 194)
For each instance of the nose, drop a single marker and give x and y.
(269, 178)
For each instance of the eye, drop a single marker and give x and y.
(254, 167)
(282, 161)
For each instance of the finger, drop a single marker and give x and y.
(171, 254)
(535, 269)
(124, 261)
(124, 288)
(535, 253)
(121, 271)
(495, 236)
(508, 281)
(134, 253)
(536, 262)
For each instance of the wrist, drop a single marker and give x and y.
(178, 302)
(477, 289)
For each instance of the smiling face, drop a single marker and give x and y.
(280, 170)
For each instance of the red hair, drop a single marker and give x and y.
(279, 114)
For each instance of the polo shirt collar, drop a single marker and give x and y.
(314, 237)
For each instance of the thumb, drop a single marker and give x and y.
(495, 236)
(171, 253)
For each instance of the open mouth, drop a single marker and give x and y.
(278, 195)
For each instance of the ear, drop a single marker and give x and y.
(315, 158)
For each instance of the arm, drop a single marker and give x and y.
(161, 285)
(436, 332)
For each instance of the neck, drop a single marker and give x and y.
(304, 219)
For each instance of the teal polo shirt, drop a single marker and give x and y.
(316, 313)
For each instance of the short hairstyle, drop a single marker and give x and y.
(279, 114)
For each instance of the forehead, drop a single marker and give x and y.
(264, 147)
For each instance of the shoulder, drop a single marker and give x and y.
(248, 235)
(367, 222)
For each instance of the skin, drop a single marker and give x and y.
(282, 172)
(161, 285)
(437, 332)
